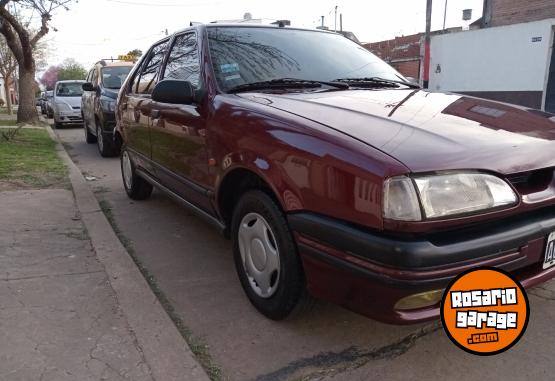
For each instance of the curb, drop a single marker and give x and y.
(166, 352)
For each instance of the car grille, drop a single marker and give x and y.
(74, 118)
(538, 179)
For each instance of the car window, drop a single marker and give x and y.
(243, 55)
(183, 62)
(69, 89)
(114, 76)
(149, 71)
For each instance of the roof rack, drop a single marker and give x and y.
(112, 59)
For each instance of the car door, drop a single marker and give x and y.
(178, 130)
(136, 105)
(85, 99)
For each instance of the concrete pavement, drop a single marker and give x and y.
(193, 268)
(73, 305)
(59, 316)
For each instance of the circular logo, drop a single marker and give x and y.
(485, 311)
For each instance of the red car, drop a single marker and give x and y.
(332, 174)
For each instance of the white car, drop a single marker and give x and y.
(66, 103)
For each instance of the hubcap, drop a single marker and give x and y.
(126, 169)
(259, 254)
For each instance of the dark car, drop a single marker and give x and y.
(98, 103)
(334, 175)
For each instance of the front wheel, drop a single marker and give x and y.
(135, 186)
(266, 257)
(105, 146)
(89, 137)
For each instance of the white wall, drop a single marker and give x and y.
(492, 59)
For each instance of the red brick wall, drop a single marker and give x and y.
(398, 48)
(505, 12)
(408, 68)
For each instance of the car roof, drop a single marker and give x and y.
(108, 63)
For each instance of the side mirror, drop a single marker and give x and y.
(87, 86)
(174, 91)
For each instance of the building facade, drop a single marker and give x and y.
(507, 55)
(403, 53)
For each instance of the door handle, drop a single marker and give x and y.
(155, 114)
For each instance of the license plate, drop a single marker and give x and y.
(550, 252)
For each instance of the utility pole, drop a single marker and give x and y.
(322, 22)
(426, 73)
(335, 24)
(445, 14)
(341, 22)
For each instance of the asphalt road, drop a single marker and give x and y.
(193, 267)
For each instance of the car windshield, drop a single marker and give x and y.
(242, 55)
(113, 77)
(69, 89)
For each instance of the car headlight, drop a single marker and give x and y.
(108, 104)
(442, 195)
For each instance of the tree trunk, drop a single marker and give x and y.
(27, 111)
(8, 97)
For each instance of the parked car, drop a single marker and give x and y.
(332, 173)
(99, 101)
(46, 106)
(66, 103)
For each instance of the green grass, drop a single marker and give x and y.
(29, 161)
(8, 122)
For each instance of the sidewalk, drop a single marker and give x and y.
(59, 317)
(73, 305)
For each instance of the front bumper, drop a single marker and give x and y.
(369, 272)
(68, 117)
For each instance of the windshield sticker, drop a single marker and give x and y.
(232, 77)
(229, 68)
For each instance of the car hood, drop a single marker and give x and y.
(70, 101)
(429, 131)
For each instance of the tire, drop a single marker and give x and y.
(89, 137)
(57, 125)
(106, 147)
(135, 186)
(260, 233)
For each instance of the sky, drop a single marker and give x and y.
(94, 29)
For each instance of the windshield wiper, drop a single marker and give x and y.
(290, 83)
(376, 82)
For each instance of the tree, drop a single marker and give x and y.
(22, 40)
(8, 65)
(135, 53)
(50, 77)
(71, 69)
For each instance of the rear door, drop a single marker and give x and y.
(178, 131)
(136, 106)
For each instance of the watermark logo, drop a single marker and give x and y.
(485, 311)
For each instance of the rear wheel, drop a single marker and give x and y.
(135, 186)
(266, 257)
